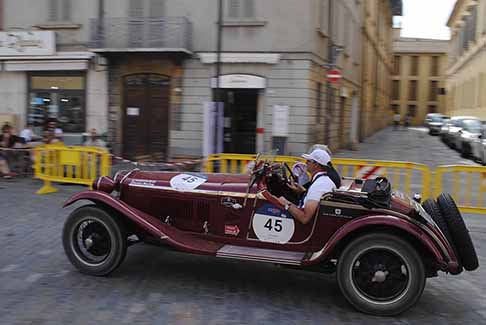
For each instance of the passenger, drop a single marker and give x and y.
(318, 166)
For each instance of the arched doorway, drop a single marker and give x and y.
(146, 116)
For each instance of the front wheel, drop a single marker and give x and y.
(94, 241)
(381, 274)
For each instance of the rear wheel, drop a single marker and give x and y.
(381, 274)
(94, 241)
(459, 233)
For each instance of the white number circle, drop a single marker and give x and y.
(273, 229)
(187, 182)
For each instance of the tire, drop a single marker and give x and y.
(432, 208)
(388, 253)
(94, 241)
(459, 232)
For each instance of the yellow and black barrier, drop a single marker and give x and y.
(467, 184)
(74, 165)
(400, 173)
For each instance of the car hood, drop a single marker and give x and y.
(175, 180)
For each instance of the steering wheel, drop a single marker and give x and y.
(290, 173)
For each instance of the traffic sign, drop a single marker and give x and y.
(334, 75)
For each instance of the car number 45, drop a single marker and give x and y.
(273, 229)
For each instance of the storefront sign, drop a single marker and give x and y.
(239, 81)
(27, 43)
(280, 121)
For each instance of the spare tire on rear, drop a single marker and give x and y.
(458, 232)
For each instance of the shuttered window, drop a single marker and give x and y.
(240, 9)
(156, 8)
(60, 10)
(146, 8)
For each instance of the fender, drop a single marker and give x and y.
(381, 220)
(150, 224)
(142, 219)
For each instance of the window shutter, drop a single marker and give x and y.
(249, 11)
(135, 8)
(156, 8)
(66, 10)
(53, 12)
(234, 8)
(324, 12)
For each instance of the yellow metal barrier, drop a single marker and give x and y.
(466, 184)
(76, 165)
(404, 175)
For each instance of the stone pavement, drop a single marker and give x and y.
(38, 285)
(414, 145)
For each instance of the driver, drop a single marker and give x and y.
(318, 166)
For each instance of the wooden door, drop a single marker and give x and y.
(146, 117)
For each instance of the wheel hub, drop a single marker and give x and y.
(379, 276)
(88, 242)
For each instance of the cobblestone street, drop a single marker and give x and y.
(158, 286)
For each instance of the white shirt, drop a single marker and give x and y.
(26, 134)
(319, 187)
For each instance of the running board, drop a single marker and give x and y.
(260, 255)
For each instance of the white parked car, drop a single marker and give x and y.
(479, 147)
(452, 137)
(469, 132)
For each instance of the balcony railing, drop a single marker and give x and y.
(139, 34)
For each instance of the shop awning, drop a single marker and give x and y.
(59, 61)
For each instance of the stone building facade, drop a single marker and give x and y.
(466, 72)
(418, 85)
(377, 49)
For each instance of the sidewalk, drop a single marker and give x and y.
(414, 145)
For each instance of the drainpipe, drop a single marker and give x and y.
(101, 22)
(216, 92)
(332, 63)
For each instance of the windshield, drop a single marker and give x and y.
(473, 126)
(437, 118)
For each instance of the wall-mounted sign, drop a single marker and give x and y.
(240, 81)
(27, 43)
(280, 121)
(133, 111)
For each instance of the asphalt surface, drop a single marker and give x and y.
(38, 285)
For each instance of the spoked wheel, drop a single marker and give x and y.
(94, 241)
(381, 274)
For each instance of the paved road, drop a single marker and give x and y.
(39, 286)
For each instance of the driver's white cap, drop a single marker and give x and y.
(319, 156)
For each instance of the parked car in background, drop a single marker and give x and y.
(430, 117)
(454, 126)
(478, 146)
(436, 122)
(467, 135)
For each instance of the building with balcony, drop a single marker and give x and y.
(418, 77)
(466, 72)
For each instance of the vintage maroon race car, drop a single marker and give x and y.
(381, 245)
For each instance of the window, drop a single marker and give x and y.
(412, 110)
(396, 65)
(434, 68)
(146, 8)
(414, 65)
(59, 96)
(432, 109)
(395, 108)
(60, 10)
(396, 90)
(433, 91)
(412, 91)
(241, 9)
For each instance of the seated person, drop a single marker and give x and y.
(8, 140)
(318, 166)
